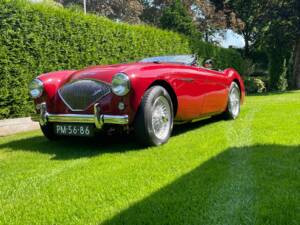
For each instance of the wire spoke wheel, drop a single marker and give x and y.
(234, 102)
(154, 121)
(161, 117)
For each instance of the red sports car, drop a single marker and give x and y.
(145, 97)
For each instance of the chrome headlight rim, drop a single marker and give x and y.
(120, 84)
(36, 88)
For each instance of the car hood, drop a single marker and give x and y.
(104, 73)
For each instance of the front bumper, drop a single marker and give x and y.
(98, 119)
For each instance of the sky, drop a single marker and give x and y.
(229, 38)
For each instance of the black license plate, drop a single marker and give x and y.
(84, 130)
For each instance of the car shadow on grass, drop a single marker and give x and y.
(244, 185)
(190, 126)
(72, 148)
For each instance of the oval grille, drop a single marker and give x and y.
(80, 94)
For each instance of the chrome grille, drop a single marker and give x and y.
(79, 95)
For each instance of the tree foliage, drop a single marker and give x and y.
(176, 18)
(271, 26)
(278, 35)
(206, 16)
(119, 10)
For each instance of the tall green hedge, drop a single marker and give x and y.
(36, 38)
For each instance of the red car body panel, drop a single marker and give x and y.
(199, 92)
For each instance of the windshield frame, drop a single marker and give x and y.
(176, 59)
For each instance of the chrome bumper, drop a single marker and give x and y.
(98, 119)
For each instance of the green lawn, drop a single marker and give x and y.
(211, 172)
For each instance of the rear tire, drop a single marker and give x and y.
(154, 120)
(48, 131)
(234, 101)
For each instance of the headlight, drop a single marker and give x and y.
(120, 84)
(36, 88)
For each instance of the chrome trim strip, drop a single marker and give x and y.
(93, 79)
(87, 118)
(72, 118)
(115, 119)
(188, 80)
(96, 118)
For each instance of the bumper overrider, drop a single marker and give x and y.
(97, 118)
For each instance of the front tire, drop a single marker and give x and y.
(154, 120)
(234, 102)
(48, 131)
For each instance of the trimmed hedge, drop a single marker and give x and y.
(36, 38)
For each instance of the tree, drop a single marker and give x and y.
(153, 10)
(250, 12)
(279, 36)
(206, 17)
(123, 10)
(176, 18)
(295, 78)
(272, 26)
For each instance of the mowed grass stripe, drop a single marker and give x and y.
(229, 203)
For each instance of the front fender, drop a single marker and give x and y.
(53, 80)
(139, 87)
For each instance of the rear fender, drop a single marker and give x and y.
(234, 76)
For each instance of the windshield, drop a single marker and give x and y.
(181, 59)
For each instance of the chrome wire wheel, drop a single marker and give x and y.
(234, 101)
(161, 118)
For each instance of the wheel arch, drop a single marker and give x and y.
(239, 85)
(170, 90)
(234, 76)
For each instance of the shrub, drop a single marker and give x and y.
(37, 38)
(254, 85)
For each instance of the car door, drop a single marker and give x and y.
(215, 98)
(190, 91)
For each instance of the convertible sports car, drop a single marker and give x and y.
(145, 97)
